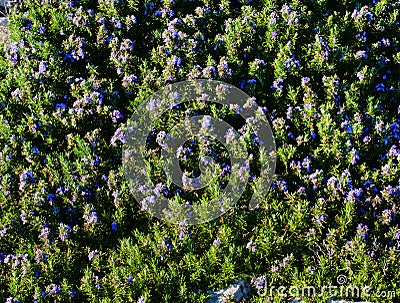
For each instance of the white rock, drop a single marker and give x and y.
(236, 291)
(3, 21)
(3, 2)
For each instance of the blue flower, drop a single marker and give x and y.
(129, 279)
(380, 87)
(278, 84)
(355, 156)
(28, 24)
(51, 197)
(114, 226)
(61, 106)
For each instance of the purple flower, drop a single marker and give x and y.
(55, 289)
(128, 80)
(305, 80)
(286, 260)
(362, 230)
(129, 279)
(116, 114)
(385, 42)
(306, 163)
(366, 139)
(320, 219)
(393, 152)
(274, 268)
(278, 84)
(45, 232)
(354, 156)
(93, 217)
(24, 177)
(119, 135)
(251, 245)
(93, 254)
(42, 67)
(141, 300)
(258, 282)
(361, 54)
(209, 72)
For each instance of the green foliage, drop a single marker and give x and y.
(327, 73)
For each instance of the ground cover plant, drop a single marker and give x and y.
(327, 73)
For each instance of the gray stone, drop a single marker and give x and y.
(5, 7)
(3, 21)
(237, 291)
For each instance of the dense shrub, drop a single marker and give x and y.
(328, 74)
